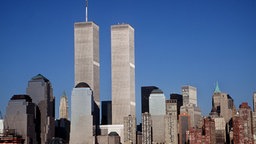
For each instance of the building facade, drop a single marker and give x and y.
(63, 109)
(146, 128)
(87, 61)
(130, 129)
(82, 129)
(145, 93)
(106, 112)
(171, 123)
(40, 90)
(189, 94)
(123, 72)
(243, 126)
(21, 118)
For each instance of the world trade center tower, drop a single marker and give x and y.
(123, 72)
(87, 65)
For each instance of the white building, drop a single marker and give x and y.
(189, 94)
(123, 72)
(82, 130)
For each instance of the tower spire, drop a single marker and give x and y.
(217, 89)
(86, 10)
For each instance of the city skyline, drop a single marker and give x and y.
(176, 44)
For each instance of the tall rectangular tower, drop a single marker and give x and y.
(189, 94)
(87, 65)
(123, 77)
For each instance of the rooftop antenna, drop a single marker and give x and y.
(86, 10)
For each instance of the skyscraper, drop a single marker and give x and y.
(130, 129)
(82, 115)
(157, 110)
(244, 132)
(145, 93)
(123, 75)
(146, 128)
(106, 112)
(87, 61)
(171, 123)
(40, 90)
(189, 94)
(63, 109)
(21, 117)
(223, 103)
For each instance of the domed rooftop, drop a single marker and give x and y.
(113, 133)
(22, 97)
(39, 76)
(82, 85)
(157, 91)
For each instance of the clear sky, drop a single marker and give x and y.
(177, 42)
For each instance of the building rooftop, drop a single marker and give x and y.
(39, 77)
(157, 91)
(82, 85)
(22, 97)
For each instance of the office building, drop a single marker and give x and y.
(146, 128)
(223, 103)
(62, 129)
(184, 125)
(179, 100)
(157, 110)
(171, 123)
(87, 64)
(21, 118)
(130, 129)
(243, 130)
(145, 93)
(63, 109)
(82, 129)
(157, 103)
(194, 112)
(189, 94)
(123, 76)
(40, 90)
(106, 112)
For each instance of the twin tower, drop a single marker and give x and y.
(87, 73)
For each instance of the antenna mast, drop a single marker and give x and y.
(86, 11)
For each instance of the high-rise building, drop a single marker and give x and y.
(189, 94)
(220, 130)
(130, 129)
(157, 109)
(145, 93)
(82, 130)
(146, 128)
(194, 112)
(63, 109)
(62, 129)
(184, 124)
(106, 112)
(21, 117)
(171, 123)
(123, 72)
(179, 100)
(40, 90)
(243, 131)
(223, 103)
(87, 61)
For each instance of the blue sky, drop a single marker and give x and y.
(177, 42)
